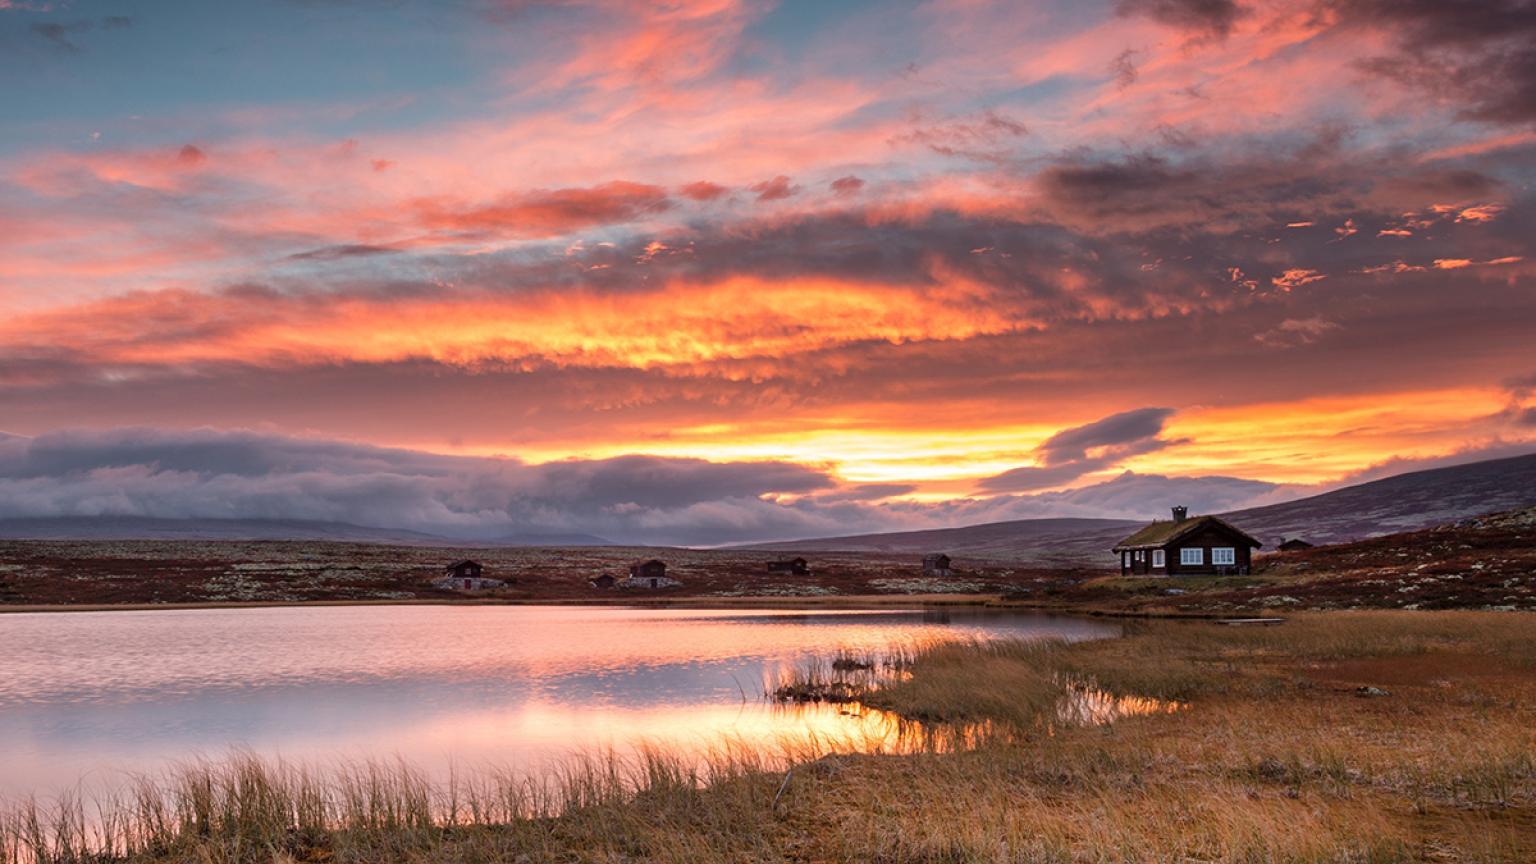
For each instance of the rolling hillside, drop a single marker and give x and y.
(1405, 502)
(150, 528)
(1042, 541)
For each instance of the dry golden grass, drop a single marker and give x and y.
(1272, 757)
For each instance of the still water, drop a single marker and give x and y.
(88, 698)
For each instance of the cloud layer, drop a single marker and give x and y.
(207, 474)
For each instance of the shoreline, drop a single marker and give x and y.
(850, 601)
(990, 601)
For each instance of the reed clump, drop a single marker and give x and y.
(1270, 758)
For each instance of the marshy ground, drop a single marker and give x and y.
(1361, 736)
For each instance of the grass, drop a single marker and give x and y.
(1271, 757)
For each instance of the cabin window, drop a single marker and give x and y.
(1141, 555)
(1195, 556)
(1224, 555)
(1157, 558)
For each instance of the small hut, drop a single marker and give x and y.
(652, 569)
(792, 567)
(648, 574)
(603, 582)
(466, 576)
(1295, 544)
(936, 564)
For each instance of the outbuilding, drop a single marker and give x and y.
(792, 567)
(466, 576)
(650, 569)
(936, 564)
(648, 574)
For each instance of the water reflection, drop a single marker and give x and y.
(1086, 705)
(91, 695)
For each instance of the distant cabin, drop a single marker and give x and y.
(936, 564)
(603, 582)
(792, 567)
(648, 574)
(652, 569)
(1187, 546)
(466, 576)
(1295, 544)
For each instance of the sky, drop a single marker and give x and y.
(737, 270)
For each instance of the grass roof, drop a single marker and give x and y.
(1160, 534)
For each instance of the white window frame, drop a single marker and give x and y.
(1158, 558)
(1141, 555)
(1224, 556)
(1192, 556)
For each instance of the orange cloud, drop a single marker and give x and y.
(1296, 277)
(548, 213)
(678, 324)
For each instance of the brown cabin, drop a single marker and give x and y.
(936, 564)
(1187, 546)
(467, 576)
(652, 569)
(792, 567)
(1295, 544)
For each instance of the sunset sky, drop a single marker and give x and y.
(733, 270)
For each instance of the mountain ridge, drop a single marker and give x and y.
(106, 528)
(1403, 502)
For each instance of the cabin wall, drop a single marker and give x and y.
(1207, 539)
(1140, 563)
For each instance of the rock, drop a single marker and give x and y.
(1270, 769)
(1370, 692)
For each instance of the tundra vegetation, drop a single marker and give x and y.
(1486, 562)
(1335, 737)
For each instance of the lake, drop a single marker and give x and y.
(89, 697)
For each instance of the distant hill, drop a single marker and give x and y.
(1405, 502)
(151, 528)
(1042, 541)
(551, 539)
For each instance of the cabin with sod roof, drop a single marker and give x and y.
(792, 567)
(1187, 546)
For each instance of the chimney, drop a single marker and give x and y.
(1180, 513)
